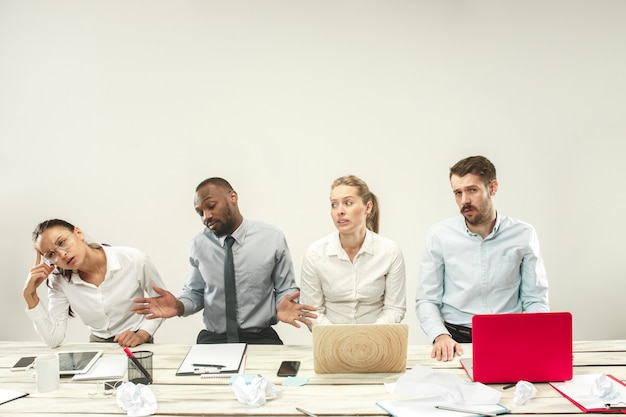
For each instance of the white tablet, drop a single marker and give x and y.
(77, 362)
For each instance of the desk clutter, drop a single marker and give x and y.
(434, 392)
(426, 387)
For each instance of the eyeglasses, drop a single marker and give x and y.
(63, 243)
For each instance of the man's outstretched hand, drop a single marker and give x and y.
(292, 312)
(163, 306)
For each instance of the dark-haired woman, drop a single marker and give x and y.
(95, 282)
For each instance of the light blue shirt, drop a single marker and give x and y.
(462, 274)
(263, 276)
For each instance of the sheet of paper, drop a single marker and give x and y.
(413, 407)
(7, 395)
(228, 355)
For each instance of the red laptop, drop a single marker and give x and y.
(534, 347)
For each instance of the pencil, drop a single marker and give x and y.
(464, 410)
(306, 412)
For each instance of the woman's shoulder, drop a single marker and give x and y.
(384, 242)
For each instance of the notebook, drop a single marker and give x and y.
(360, 348)
(534, 347)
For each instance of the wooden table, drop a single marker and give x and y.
(324, 395)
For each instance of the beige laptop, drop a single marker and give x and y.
(360, 348)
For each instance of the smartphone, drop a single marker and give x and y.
(288, 368)
(23, 363)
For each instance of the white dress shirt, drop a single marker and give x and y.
(372, 289)
(462, 274)
(104, 309)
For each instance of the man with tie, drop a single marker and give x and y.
(241, 275)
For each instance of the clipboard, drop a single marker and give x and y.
(218, 358)
(578, 392)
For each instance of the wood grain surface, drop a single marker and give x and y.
(360, 348)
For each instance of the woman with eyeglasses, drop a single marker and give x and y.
(95, 282)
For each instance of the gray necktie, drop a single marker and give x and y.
(230, 292)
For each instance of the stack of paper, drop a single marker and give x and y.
(106, 367)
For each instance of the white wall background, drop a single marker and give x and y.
(111, 112)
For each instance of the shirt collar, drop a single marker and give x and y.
(496, 226)
(494, 231)
(335, 249)
(239, 234)
(112, 264)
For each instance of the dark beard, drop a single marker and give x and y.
(226, 227)
(480, 217)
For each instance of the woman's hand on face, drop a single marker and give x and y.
(37, 274)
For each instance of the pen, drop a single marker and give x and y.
(306, 412)
(138, 365)
(208, 365)
(207, 371)
(464, 410)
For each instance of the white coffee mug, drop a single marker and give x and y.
(45, 371)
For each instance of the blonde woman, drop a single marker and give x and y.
(354, 275)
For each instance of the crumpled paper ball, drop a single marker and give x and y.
(136, 399)
(604, 388)
(524, 391)
(257, 392)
